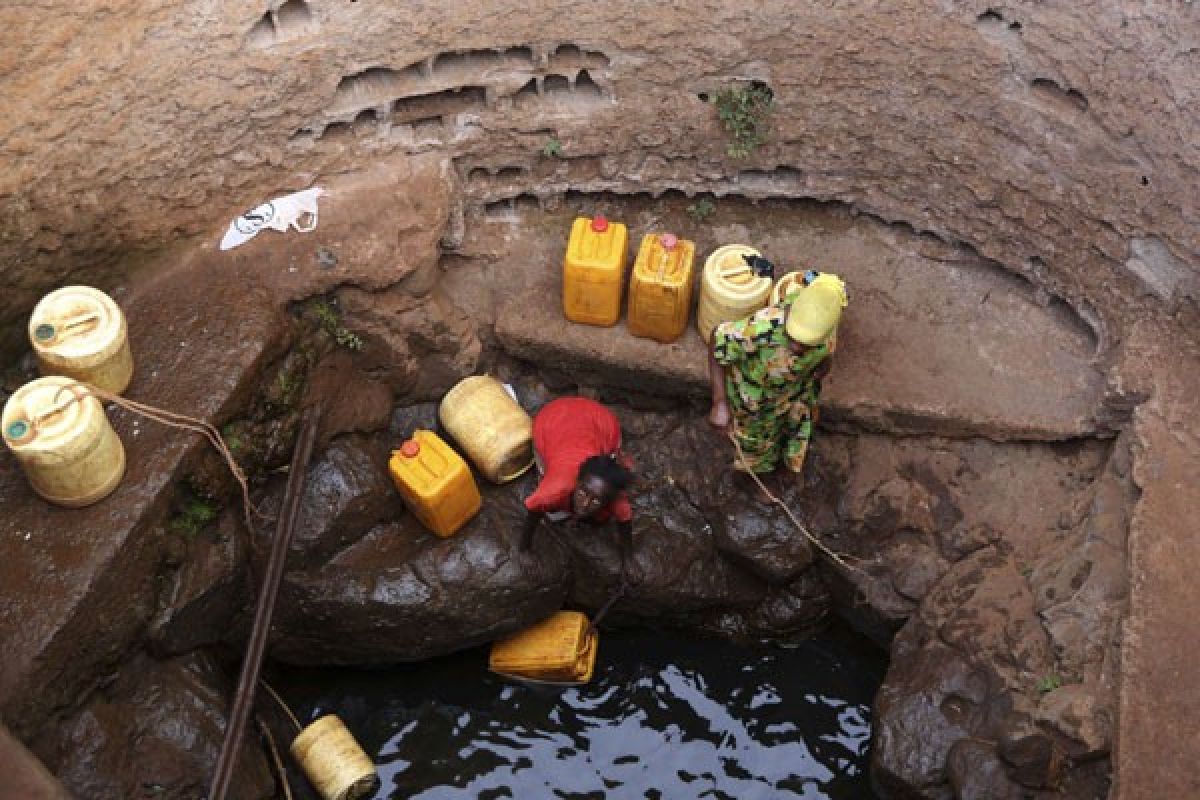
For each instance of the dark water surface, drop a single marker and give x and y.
(667, 716)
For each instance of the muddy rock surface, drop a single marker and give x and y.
(155, 732)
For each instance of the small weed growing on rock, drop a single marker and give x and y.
(1049, 683)
(330, 320)
(744, 111)
(552, 148)
(230, 435)
(702, 209)
(195, 515)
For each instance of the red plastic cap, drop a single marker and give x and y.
(600, 224)
(410, 449)
(668, 241)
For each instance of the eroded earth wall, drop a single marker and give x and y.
(1058, 141)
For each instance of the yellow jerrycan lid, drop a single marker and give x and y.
(48, 413)
(77, 323)
(727, 271)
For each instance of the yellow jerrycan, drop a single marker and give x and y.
(660, 289)
(435, 482)
(560, 649)
(789, 284)
(594, 271)
(63, 441)
(729, 289)
(487, 423)
(80, 332)
(333, 760)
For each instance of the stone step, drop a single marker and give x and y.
(78, 586)
(935, 340)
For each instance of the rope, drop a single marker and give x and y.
(282, 705)
(181, 422)
(832, 556)
(279, 768)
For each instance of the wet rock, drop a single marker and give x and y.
(406, 419)
(351, 402)
(424, 345)
(959, 667)
(1083, 715)
(766, 542)
(154, 733)
(1033, 759)
(975, 772)
(675, 552)
(208, 590)
(402, 594)
(347, 492)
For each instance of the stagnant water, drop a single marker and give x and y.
(667, 716)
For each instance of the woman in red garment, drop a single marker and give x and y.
(584, 475)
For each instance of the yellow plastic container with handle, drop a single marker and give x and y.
(80, 332)
(789, 284)
(490, 426)
(435, 482)
(594, 271)
(559, 649)
(729, 289)
(660, 288)
(63, 441)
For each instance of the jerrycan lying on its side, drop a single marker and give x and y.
(436, 484)
(660, 290)
(489, 425)
(559, 649)
(594, 271)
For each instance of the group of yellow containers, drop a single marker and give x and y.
(55, 427)
(439, 488)
(660, 285)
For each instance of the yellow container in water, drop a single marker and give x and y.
(80, 332)
(558, 649)
(63, 441)
(729, 289)
(436, 484)
(487, 423)
(660, 289)
(333, 760)
(594, 271)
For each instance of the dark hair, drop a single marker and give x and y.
(607, 469)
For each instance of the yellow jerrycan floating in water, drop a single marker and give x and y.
(487, 423)
(594, 271)
(334, 762)
(80, 332)
(560, 649)
(435, 482)
(660, 289)
(729, 288)
(63, 441)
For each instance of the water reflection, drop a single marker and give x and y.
(666, 717)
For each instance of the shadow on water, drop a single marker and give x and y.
(667, 716)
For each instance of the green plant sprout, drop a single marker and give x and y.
(553, 148)
(702, 209)
(744, 111)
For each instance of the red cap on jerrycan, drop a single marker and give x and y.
(600, 223)
(668, 241)
(410, 449)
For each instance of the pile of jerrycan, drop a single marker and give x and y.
(483, 418)
(733, 283)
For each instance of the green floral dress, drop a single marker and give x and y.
(772, 391)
